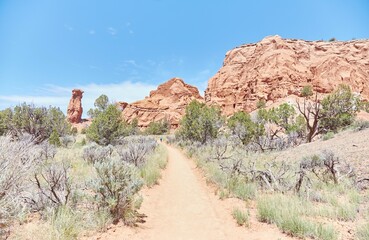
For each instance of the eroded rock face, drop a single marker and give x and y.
(276, 68)
(168, 101)
(75, 109)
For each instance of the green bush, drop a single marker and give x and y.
(54, 138)
(108, 126)
(200, 122)
(158, 128)
(328, 135)
(307, 91)
(36, 121)
(101, 104)
(338, 109)
(244, 128)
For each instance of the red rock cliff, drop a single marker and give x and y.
(75, 110)
(276, 68)
(168, 101)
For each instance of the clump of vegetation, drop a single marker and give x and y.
(116, 184)
(158, 128)
(108, 126)
(135, 149)
(150, 171)
(334, 112)
(261, 104)
(242, 218)
(307, 91)
(360, 125)
(54, 138)
(363, 232)
(338, 109)
(39, 122)
(287, 212)
(328, 135)
(244, 128)
(200, 122)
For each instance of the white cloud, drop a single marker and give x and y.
(92, 32)
(112, 31)
(58, 96)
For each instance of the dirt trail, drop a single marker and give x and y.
(184, 207)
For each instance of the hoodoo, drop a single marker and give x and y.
(75, 109)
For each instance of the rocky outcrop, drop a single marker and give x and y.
(276, 68)
(74, 111)
(168, 102)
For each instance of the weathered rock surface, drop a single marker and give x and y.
(74, 111)
(276, 68)
(168, 101)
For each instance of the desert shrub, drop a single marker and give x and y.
(54, 138)
(260, 104)
(18, 159)
(279, 122)
(47, 150)
(116, 184)
(338, 109)
(52, 186)
(39, 122)
(135, 149)
(242, 218)
(67, 140)
(360, 125)
(327, 136)
(5, 119)
(326, 167)
(158, 128)
(307, 91)
(93, 153)
(244, 128)
(101, 104)
(200, 122)
(107, 126)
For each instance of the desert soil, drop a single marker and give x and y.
(183, 206)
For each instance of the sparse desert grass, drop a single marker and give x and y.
(327, 136)
(288, 213)
(151, 171)
(363, 232)
(65, 223)
(242, 217)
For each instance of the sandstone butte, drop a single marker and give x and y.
(276, 68)
(168, 102)
(74, 111)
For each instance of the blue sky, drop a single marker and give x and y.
(126, 48)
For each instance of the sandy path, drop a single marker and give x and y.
(183, 207)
